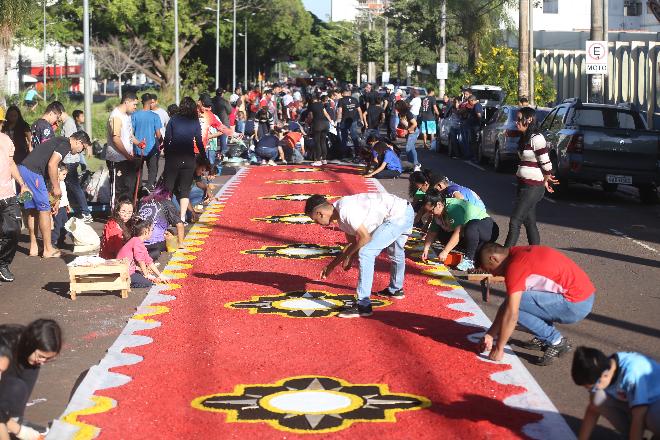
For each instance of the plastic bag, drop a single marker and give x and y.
(98, 187)
(84, 237)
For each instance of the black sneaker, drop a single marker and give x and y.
(533, 344)
(356, 311)
(5, 274)
(554, 351)
(389, 294)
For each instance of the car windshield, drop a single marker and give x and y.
(489, 95)
(607, 118)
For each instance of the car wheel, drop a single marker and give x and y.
(499, 166)
(562, 187)
(649, 195)
(609, 187)
(480, 153)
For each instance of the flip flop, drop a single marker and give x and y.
(55, 254)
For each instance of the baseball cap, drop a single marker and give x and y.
(390, 86)
(2, 114)
(206, 100)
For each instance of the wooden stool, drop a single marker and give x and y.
(110, 276)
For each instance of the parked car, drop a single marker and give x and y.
(602, 143)
(406, 91)
(499, 139)
(490, 97)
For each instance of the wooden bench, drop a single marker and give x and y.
(485, 279)
(113, 275)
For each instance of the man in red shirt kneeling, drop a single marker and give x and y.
(543, 287)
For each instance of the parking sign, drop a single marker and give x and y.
(596, 57)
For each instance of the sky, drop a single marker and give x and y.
(320, 8)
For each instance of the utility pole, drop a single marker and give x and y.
(596, 81)
(531, 53)
(233, 74)
(245, 67)
(386, 63)
(523, 48)
(45, 62)
(443, 44)
(217, 45)
(606, 38)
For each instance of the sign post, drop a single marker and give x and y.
(442, 71)
(596, 64)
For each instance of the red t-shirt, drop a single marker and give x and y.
(542, 268)
(112, 240)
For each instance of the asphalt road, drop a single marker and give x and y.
(612, 236)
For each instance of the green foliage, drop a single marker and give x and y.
(331, 49)
(499, 66)
(194, 77)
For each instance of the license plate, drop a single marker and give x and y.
(625, 180)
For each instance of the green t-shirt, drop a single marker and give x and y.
(459, 212)
(419, 195)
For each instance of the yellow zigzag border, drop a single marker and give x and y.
(86, 431)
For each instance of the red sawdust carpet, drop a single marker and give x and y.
(237, 358)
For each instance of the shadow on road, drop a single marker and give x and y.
(616, 256)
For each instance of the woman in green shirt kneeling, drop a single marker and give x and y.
(469, 225)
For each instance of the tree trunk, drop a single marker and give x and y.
(119, 76)
(4, 83)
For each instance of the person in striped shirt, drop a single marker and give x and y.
(534, 178)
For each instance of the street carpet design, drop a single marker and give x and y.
(247, 344)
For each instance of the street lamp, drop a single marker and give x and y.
(217, 43)
(45, 63)
(233, 78)
(87, 71)
(176, 52)
(245, 67)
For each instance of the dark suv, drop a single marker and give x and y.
(602, 143)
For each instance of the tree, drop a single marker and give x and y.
(14, 13)
(120, 58)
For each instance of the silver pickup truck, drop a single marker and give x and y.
(606, 144)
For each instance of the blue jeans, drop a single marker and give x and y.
(240, 126)
(394, 123)
(411, 151)
(196, 195)
(353, 128)
(391, 235)
(223, 143)
(212, 156)
(73, 189)
(539, 310)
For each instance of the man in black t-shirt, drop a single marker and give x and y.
(349, 113)
(428, 114)
(42, 129)
(374, 118)
(39, 163)
(368, 97)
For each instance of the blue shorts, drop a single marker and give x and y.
(37, 185)
(428, 127)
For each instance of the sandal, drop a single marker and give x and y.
(55, 254)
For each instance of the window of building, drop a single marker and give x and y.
(551, 6)
(632, 8)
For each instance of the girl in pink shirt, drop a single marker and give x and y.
(138, 256)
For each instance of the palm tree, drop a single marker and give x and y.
(13, 14)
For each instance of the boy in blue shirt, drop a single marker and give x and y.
(625, 388)
(146, 128)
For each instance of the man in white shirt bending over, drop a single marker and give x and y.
(372, 222)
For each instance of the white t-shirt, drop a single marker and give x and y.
(415, 105)
(119, 123)
(64, 200)
(164, 119)
(368, 209)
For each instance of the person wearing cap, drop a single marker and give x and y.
(147, 129)
(41, 162)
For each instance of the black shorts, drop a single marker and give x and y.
(178, 175)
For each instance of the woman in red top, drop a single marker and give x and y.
(115, 233)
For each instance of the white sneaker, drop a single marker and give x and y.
(87, 218)
(324, 162)
(263, 162)
(318, 163)
(418, 167)
(271, 163)
(284, 162)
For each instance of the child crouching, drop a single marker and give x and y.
(136, 253)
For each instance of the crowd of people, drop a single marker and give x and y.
(40, 185)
